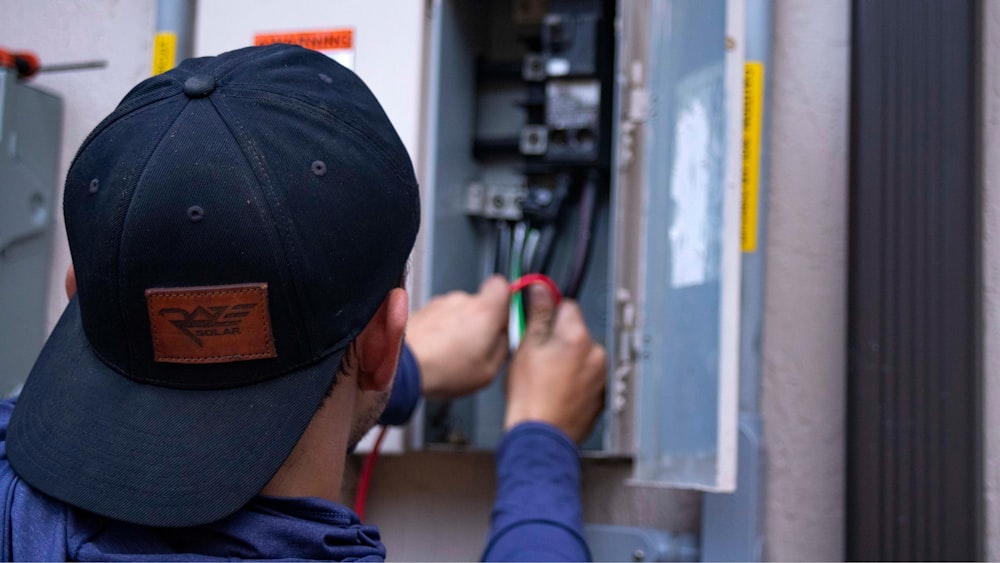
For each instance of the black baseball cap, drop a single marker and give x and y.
(234, 225)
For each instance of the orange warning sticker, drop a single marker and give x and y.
(329, 40)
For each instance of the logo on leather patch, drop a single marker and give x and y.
(208, 325)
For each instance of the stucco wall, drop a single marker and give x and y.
(990, 93)
(804, 371)
(119, 32)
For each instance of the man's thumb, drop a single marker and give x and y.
(541, 312)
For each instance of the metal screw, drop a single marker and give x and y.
(638, 555)
(543, 197)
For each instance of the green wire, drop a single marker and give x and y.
(517, 302)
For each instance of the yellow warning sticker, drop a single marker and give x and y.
(164, 52)
(753, 120)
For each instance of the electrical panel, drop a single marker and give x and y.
(30, 133)
(526, 96)
(597, 141)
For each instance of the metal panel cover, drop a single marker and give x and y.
(688, 372)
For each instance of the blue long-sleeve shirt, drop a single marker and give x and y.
(536, 515)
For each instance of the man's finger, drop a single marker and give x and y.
(541, 312)
(499, 353)
(495, 293)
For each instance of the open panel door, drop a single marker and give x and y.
(682, 120)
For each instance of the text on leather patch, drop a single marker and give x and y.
(210, 324)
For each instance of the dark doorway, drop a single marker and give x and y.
(913, 375)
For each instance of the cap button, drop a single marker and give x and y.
(199, 86)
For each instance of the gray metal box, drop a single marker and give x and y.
(662, 290)
(30, 134)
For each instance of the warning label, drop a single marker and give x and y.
(317, 40)
(338, 44)
(753, 120)
(164, 52)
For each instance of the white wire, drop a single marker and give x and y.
(513, 328)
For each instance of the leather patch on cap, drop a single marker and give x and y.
(210, 325)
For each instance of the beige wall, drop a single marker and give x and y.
(806, 285)
(990, 112)
(436, 506)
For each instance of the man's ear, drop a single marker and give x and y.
(70, 282)
(379, 344)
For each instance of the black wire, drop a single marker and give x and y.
(543, 250)
(588, 209)
(502, 265)
(549, 223)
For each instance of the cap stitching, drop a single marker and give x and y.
(122, 260)
(171, 87)
(127, 108)
(231, 64)
(359, 132)
(282, 222)
(123, 204)
(207, 359)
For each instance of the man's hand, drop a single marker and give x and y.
(460, 340)
(558, 374)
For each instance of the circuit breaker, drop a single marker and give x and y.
(597, 141)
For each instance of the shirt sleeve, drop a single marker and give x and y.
(538, 513)
(405, 391)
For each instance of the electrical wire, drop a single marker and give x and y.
(516, 324)
(503, 249)
(543, 249)
(528, 279)
(517, 304)
(530, 247)
(547, 220)
(367, 470)
(487, 232)
(588, 207)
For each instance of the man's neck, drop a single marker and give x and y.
(315, 468)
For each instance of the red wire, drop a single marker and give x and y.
(367, 470)
(528, 279)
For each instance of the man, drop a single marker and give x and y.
(240, 227)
